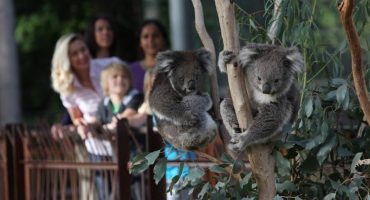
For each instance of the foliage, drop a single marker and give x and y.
(317, 157)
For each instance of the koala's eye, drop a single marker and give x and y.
(276, 80)
(286, 63)
(181, 78)
(259, 78)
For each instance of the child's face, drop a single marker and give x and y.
(118, 83)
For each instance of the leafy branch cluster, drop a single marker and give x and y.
(318, 155)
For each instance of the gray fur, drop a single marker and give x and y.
(179, 106)
(270, 71)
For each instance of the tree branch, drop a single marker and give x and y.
(260, 157)
(345, 10)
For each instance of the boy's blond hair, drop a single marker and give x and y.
(114, 67)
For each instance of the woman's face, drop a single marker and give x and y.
(151, 40)
(118, 83)
(103, 33)
(78, 55)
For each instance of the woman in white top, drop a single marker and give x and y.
(76, 77)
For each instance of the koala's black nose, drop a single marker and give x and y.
(266, 88)
(191, 85)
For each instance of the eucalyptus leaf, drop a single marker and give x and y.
(309, 107)
(330, 95)
(218, 169)
(329, 196)
(283, 164)
(151, 157)
(355, 161)
(159, 170)
(287, 186)
(341, 93)
(139, 157)
(138, 168)
(326, 148)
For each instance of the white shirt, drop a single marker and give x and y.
(86, 99)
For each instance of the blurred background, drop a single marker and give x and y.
(29, 30)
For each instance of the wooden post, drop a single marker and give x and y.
(260, 156)
(123, 154)
(155, 142)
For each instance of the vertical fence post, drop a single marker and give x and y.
(123, 152)
(4, 169)
(155, 142)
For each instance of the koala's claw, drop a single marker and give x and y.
(236, 143)
(228, 56)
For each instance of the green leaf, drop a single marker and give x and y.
(338, 81)
(325, 149)
(341, 93)
(245, 180)
(355, 161)
(152, 156)
(297, 198)
(159, 170)
(283, 164)
(277, 197)
(314, 142)
(138, 168)
(309, 107)
(217, 169)
(139, 157)
(195, 173)
(324, 131)
(343, 152)
(329, 196)
(286, 186)
(330, 95)
(174, 180)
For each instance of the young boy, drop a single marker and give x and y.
(121, 99)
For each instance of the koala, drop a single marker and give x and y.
(179, 107)
(270, 73)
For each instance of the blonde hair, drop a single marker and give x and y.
(113, 67)
(61, 71)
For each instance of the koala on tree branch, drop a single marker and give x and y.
(179, 107)
(270, 71)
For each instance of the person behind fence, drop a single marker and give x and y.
(76, 78)
(152, 39)
(101, 37)
(120, 101)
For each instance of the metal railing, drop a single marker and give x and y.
(60, 165)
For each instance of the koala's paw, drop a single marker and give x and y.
(191, 119)
(237, 142)
(224, 58)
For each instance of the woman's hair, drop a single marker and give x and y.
(90, 35)
(109, 70)
(160, 27)
(61, 71)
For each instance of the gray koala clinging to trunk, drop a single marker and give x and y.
(179, 107)
(270, 71)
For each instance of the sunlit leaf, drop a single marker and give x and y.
(329, 196)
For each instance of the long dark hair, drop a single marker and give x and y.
(90, 34)
(160, 27)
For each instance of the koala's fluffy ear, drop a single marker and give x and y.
(246, 55)
(165, 61)
(204, 57)
(296, 59)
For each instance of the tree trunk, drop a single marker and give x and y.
(10, 109)
(345, 10)
(260, 156)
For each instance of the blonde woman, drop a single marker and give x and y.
(76, 77)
